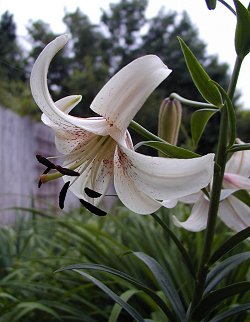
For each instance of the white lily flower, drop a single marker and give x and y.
(100, 148)
(233, 212)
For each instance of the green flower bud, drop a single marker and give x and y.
(242, 32)
(169, 120)
(211, 4)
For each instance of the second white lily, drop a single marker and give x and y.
(100, 148)
(232, 211)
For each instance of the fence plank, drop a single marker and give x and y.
(21, 139)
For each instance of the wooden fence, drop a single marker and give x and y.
(21, 139)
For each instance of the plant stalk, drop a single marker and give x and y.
(221, 158)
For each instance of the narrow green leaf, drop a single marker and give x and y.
(170, 150)
(165, 283)
(230, 244)
(199, 121)
(157, 299)
(233, 311)
(182, 250)
(131, 311)
(242, 32)
(26, 307)
(213, 299)
(223, 269)
(200, 78)
(114, 315)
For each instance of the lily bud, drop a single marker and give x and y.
(211, 4)
(242, 35)
(169, 120)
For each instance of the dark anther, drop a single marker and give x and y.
(67, 172)
(92, 208)
(63, 193)
(44, 172)
(45, 162)
(91, 193)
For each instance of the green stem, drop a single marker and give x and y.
(191, 103)
(215, 192)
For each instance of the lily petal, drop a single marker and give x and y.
(191, 198)
(158, 178)
(125, 93)
(41, 95)
(197, 221)
(65, 104)
(232, 180)
(234, 213)
(95, 168)
(225, 193)
(239, 162)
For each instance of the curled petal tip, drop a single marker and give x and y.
(63, 39)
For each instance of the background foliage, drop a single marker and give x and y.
(32, 250)
(96, 52)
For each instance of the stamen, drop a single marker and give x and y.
(92, 208)
(91, 193)
(67, 172)
(45, 162)
(44, 172)
(63, 193)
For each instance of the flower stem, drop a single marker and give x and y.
(221, 158)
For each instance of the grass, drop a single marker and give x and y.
(31, 250)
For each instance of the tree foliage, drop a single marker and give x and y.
(96, 52)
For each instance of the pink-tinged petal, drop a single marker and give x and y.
(239, 163)
(41, 95)
(232, 180)
(125, 93)
(234, 213)
(197, 221)
(163, 178)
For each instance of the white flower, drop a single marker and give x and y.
(100, 148)
(233, 212)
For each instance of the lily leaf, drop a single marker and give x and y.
(199, 121)
(213, 299)
(233, 311)
(200, 78)
(179, 245)
(131, 311)
(223, 269)
(230, 244)
(157, 299)
(166, 284)
(170, 150)
(114, 315)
